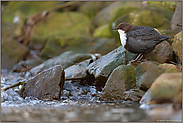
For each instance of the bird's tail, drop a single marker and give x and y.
(165, 37)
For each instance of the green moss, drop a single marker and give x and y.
(30, 7)
(102, 31)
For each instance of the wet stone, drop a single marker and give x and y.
(66, 59)
(45, 85)
(146, 73)
(103, 67)
(120, 80)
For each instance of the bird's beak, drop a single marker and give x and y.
(114, 28)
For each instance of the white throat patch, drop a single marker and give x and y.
(122, 37)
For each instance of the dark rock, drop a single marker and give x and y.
(177, 18)
(103, 67)
(12, 52)
(121, 79)
(45, 85)
(66, 59)
(167, 88)
(78, 70)
(133, 95)
(146, 73)
(177, 45)
(162, 53)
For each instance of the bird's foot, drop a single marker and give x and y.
(134, 61)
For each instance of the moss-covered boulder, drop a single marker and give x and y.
(121, 79)
(168, 4)
(102, 31)
(67, 26)
(177, 45)
(26, 8)
(57, 45)
(105, 15)
(91, 8)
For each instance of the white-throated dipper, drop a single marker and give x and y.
(139, 39)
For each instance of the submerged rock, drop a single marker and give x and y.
(45, 85)
(102, 68)
(146, 73)
(177, 45)
(121, 79)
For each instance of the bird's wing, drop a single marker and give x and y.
(144, 33)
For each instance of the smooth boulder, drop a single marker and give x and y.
(121, 79)
(146, 73)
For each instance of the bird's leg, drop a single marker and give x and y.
(125, 58)
(139, 57)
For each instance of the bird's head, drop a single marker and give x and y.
(124, 27)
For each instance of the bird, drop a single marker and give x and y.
(139, 39)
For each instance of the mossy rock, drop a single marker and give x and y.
(102, 31)
(26, 8)
(153, 16)
(177, 45)
(167, 88)
(120, 80)
(105, 15)
(90, 8)
(57, 45)
(67, 25)
(168, 4)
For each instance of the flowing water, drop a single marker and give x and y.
(15, 108)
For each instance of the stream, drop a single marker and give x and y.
(89, 109)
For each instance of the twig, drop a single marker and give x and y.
(14, 85)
